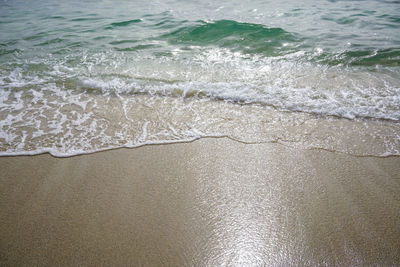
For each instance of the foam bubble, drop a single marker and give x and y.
(107, 100)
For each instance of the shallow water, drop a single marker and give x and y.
(83, 76)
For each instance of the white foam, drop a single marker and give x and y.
(88, 107)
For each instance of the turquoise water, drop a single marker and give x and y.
(62, 64)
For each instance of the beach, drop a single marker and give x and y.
(199, 133)
(211, 202)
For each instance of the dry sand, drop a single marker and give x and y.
(211, 202)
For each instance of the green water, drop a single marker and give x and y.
(326, 58)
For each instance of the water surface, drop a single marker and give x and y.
(76, 76)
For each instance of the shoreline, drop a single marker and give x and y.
(158, 120)
(166, 143)
(212, 201)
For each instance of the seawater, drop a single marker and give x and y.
(83, 76)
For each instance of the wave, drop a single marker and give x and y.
(69, 122)
(124, 23)
(286, 83)
(271, 42)
(173, 80)
(369, 57)
(245, 37)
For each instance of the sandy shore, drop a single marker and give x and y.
(211, 202)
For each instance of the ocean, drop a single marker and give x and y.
(83, 76)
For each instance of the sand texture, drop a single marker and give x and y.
(212, 202)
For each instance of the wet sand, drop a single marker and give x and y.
(211, 202)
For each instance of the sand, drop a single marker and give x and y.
(211, 202)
